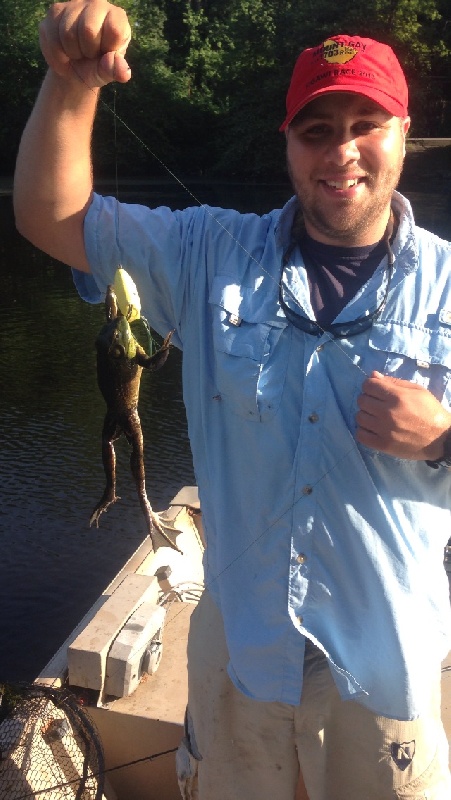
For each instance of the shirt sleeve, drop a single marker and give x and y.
(155, 247)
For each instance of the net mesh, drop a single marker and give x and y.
(49, 747)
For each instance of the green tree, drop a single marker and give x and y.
(210, 78)
(21, 71)
(158, 105)
(264, 38)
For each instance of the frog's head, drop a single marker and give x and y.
(123, 343)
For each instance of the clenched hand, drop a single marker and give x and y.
(401, 419)
(88, 38)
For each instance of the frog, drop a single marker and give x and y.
(120, 363)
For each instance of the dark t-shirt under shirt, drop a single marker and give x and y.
(335, 274)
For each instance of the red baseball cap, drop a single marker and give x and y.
(348, 64)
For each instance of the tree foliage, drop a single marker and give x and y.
(210, 77)
(21, 70)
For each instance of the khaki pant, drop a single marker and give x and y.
(237, 748)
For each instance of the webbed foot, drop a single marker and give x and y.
(104, 504)
(161, 525)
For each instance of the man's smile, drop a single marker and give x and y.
(342, 184)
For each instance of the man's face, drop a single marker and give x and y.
(345, 155)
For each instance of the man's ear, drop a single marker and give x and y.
(405, 125)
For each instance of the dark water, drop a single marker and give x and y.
(52, 565)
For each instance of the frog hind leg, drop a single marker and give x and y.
(154, 521)
(110, 433)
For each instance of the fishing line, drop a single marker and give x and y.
(116, 173)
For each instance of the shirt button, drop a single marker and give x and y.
(313, 417)
(301, 558)
(307, 490)
(300, 619)
(319, 348)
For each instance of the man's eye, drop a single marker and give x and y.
(364, 127)
(315, 131)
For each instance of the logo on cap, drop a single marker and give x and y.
(337, 53)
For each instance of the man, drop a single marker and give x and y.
(317, 383)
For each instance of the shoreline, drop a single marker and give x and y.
(426, 160)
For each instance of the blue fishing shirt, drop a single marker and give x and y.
(309, 534)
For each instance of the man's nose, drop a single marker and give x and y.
(343, 149)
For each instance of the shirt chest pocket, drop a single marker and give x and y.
(250, 351)
(419, 355)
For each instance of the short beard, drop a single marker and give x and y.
(347, 226)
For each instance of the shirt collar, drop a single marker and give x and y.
(405, 249)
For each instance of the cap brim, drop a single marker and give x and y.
(387, 103)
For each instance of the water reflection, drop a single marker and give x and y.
(52, 565)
